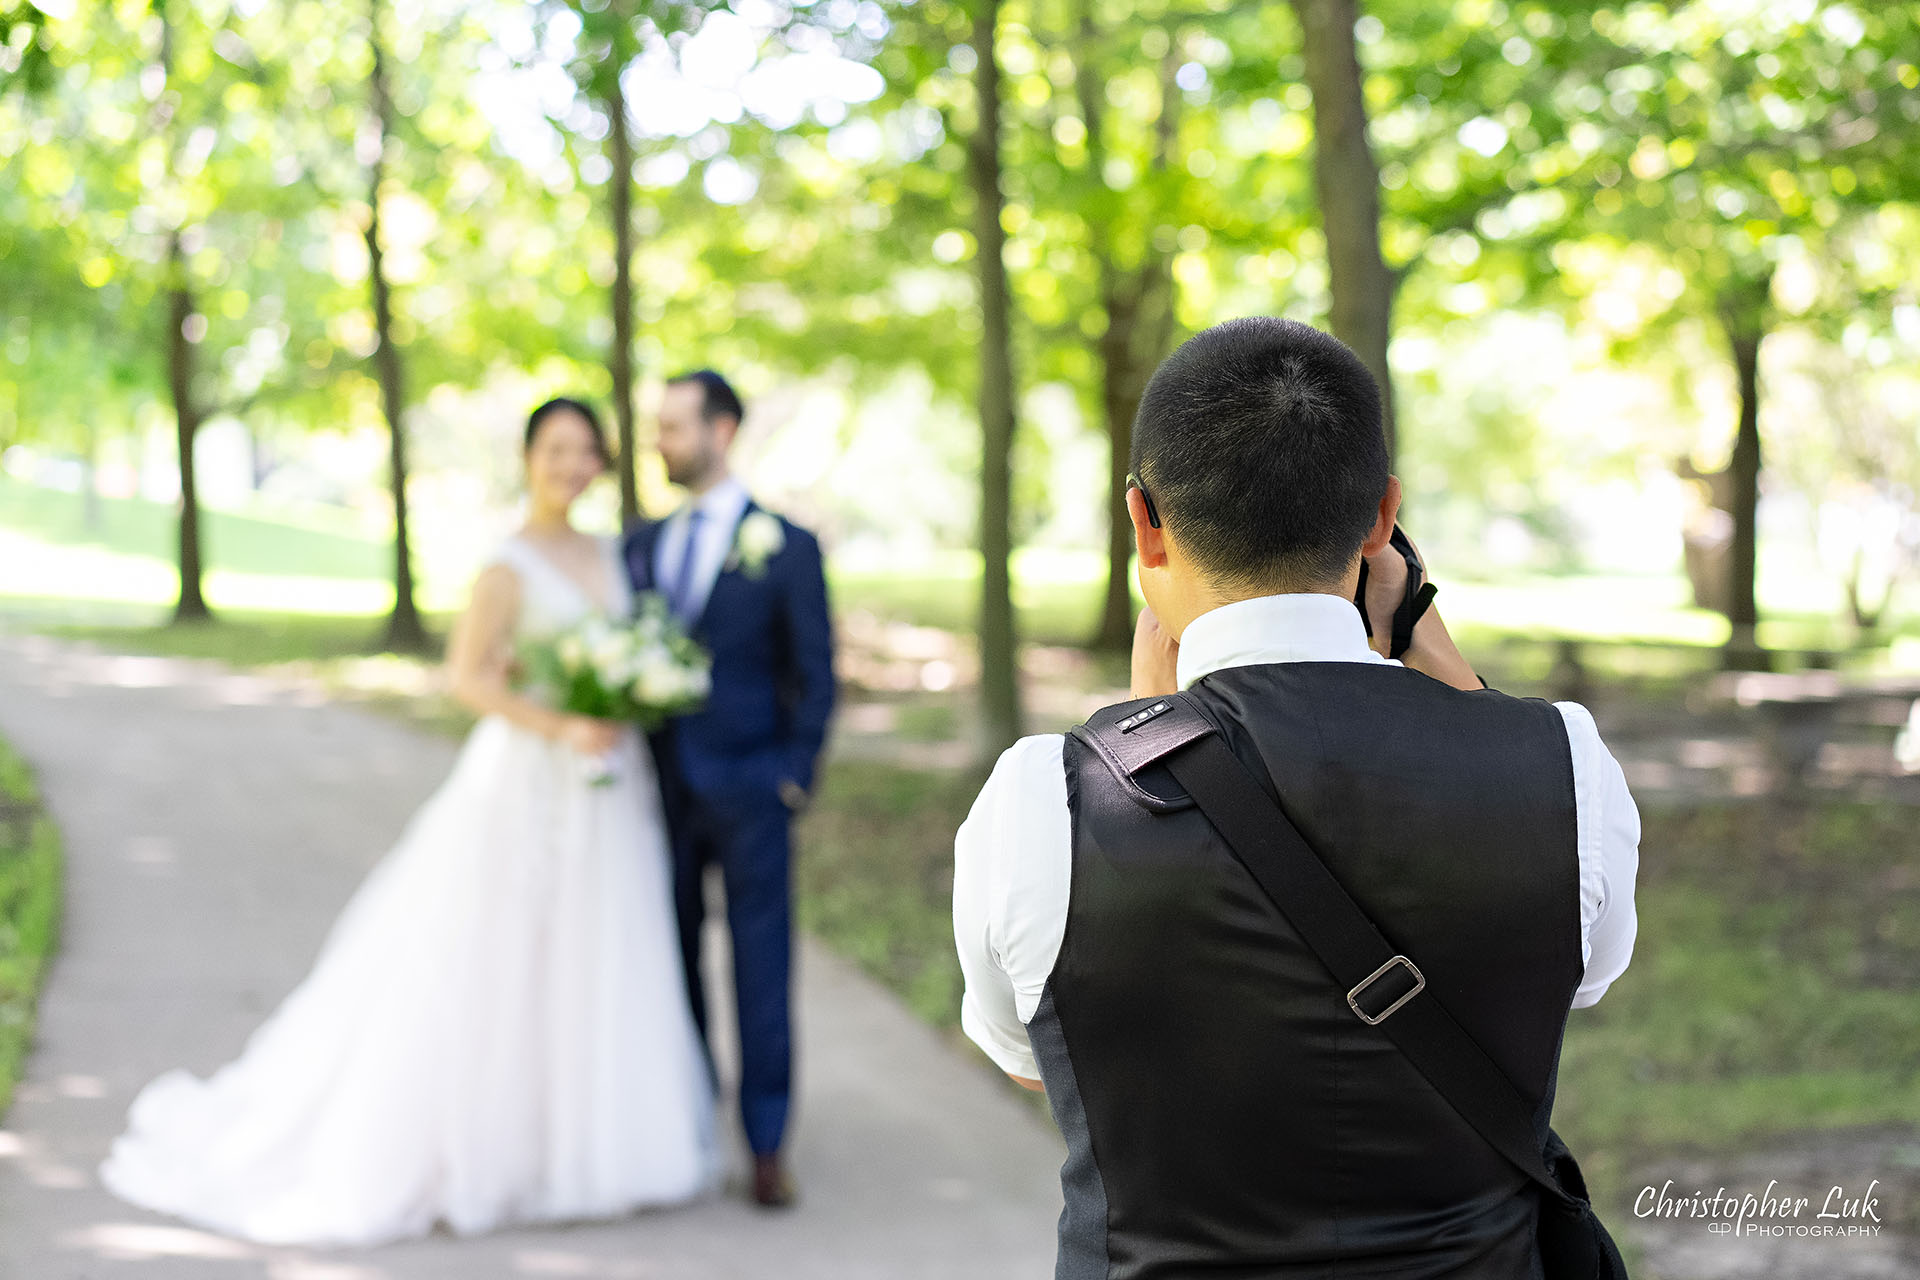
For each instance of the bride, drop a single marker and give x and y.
(496, 1031)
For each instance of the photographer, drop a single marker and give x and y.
(1227, 1112)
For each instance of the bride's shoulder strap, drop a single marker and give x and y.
(511, 553)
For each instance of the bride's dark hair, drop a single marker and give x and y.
(554, 406)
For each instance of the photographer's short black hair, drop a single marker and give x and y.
(558, 403)
(1260, 443)
(717, 397)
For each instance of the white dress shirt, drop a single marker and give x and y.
(1013, 857)
(720, 510)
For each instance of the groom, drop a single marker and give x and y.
(750, 588)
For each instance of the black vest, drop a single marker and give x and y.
(1226, 1114)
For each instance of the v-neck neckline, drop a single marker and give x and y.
(600, 603)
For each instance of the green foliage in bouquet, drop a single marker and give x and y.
(644, 669)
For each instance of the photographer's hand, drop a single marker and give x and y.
(1156, 657)
(1386, 588)
(1432, 652)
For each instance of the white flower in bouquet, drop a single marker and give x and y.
(644, 670)
(608, 654)
(759, 539)
(658, 680)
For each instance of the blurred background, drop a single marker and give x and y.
(279, 281)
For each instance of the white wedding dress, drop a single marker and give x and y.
(496, 1030)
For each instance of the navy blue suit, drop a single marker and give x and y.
(721, 771)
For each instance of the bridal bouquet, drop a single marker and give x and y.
(643, 669)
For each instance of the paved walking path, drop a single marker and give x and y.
(216, 822)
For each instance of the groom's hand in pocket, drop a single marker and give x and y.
(794, 796)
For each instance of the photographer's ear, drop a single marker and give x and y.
(1148, 539)
(1382, 521)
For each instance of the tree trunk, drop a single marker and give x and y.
(405, 630)
(1119, 407)
(90, 479)
(192, 605)
(1742, 313)
(1348, 185)
(999, 673)
(1744, 466)
(620, 359)
(258, 466)
(1138, 306)
(1866, 617)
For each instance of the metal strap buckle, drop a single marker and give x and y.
(1374, 1020)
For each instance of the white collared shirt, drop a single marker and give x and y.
(720, 510)
(1013, 857)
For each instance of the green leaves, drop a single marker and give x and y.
(1635, 172)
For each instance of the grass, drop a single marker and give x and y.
(1771, 994)
(318, 562)
(1772, 988)
(1758, 993)
(30, 869)
(317, 546)
(874, 880)
(875, 876)
(1057, 596)
(251, 638)
(343, 650)
(297, 562)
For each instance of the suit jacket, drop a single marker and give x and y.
(771, 637)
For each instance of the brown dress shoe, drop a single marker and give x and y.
(772, 1188)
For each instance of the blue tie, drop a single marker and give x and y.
(680, 597)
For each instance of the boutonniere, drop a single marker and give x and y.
(758, 540)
